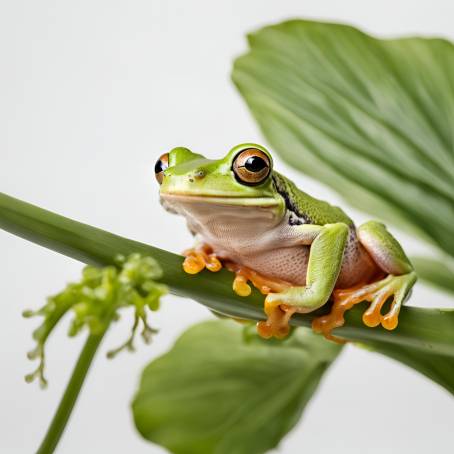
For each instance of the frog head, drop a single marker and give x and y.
(242, 179)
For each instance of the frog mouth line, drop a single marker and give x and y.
(263, 202)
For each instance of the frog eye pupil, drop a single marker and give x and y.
(255, 164)
(159, 166)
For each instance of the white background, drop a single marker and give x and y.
(91, 93)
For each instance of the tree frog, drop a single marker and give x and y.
(299, 251)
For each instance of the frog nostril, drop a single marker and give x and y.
(199, 174)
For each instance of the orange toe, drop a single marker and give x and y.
(343, 300)
(264, 284)
(277, 323)
(199, 258)
(278, 315)
(376, 293)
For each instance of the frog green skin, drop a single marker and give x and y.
(298, 250)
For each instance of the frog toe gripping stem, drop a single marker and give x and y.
(377, 294)
(278, 315)
(277, 323)
(199, 258)
(263, 284)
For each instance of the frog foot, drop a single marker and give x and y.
(199, 258)
(278, 315)
(277, 322)
(377, 293)
(263, 284)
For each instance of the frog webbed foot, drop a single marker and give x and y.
(278, 315)
(277, 322)
(279, 308)
(199, 258)
(377, 294)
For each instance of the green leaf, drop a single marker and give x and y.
(427, 331)
(215, 393)
(435, 272)
(372, 118)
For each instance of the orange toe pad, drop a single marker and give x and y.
(277, 323)
(197, 259)
(263, 284)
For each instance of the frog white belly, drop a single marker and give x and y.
(288, 264)
(258, 239)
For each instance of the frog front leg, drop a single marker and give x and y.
(200, 257)
(324, 265)
(389, 256)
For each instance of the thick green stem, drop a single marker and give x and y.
(427, 330)
(68, 400)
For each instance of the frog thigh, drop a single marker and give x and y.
(384, 249)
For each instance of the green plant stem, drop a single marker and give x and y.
(427, 330)
(68, 400)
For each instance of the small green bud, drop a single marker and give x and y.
(28, 313)
(95, 302)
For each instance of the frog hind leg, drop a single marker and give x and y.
(199, 258)
(389, 256)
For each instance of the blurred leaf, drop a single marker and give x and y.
(372, 118)
(436, 272)
(215, 393)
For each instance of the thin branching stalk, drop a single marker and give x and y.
(70, 395)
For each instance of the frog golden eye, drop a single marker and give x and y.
(251, 166)
(161, 164)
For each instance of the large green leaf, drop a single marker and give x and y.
(372, 118)
(214, 393)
